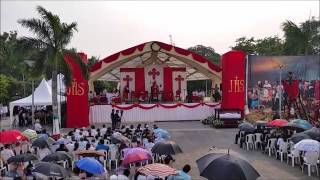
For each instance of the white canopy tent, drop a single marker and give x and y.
(42, 97)
(61, 88)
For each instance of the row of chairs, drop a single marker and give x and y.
(285, 150)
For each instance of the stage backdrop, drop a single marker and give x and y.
(263, 68)
(233, 80)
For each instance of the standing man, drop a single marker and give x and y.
(117, 119)
(113, 120)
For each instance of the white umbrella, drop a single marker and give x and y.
(308, 145)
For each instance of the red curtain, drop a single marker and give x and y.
(139, 79)
(167, 83)
(233, 80)
(77, 96)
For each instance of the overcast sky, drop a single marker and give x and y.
(106, 27)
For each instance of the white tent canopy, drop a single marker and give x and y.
(60, 84)
(42, 97)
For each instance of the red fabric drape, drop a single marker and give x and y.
(167, 83)
(292, 89)
(162, 105)
(139, 80)
(77, 96)
(233, 80)
(317, 90)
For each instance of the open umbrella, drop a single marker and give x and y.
(166, 148)
(299, 124)
(57, 156)
(299, 136)
(50, 169)
(46, 137)
(307, 145)
(40, 142)
(120, 137)
(277, 123)
(11, 136)
(221, 166)
(90, 153)
(132, 155)
(247, 127)
(157, 170)
(31, 134)
(161, 133)
(22, 158)
(90, 165)
(314, 133)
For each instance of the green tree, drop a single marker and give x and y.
(246, 45)
(270, 46)
(51, 39)
(207, 52)
(92, 60)
(302, 39)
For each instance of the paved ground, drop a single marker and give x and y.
(195, 140)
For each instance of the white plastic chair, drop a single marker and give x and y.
(249, 141)
(310, 159)
(241, 135)
(258, 137)
(113, 158)
(283, 150)
(294, 154)
(103, 158)
(271, 146)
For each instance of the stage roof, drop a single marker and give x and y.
(198, 68)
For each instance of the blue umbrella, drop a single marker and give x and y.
(162, 133)
(90, 165)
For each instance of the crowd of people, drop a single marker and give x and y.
(268, 93)
(97, 139)
(22, 116)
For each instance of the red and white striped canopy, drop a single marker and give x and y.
(157, 170)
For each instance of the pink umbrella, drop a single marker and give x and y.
(132, 155)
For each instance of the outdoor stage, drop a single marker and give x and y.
(153, 112)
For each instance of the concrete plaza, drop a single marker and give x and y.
(195, 139)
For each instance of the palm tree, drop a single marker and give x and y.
(51, 39)
(303, 39)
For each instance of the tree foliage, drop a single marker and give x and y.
(303, 39)
(207, 52)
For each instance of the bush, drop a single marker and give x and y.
(208, 120)
(217, 123)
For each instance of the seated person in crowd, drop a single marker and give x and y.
(62, 147)
(6, 153)
(37, 126)
(102, 146)
(182, 174)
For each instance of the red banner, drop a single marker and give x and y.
(77, 95)
(233, 80)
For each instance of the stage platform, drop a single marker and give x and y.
(153, 112)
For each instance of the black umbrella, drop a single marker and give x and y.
(220, 166)
(166, 148)
(314, 133)
(50, 169)
(41, 143)
(57, 156)
(299, 136)
(22, 158)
